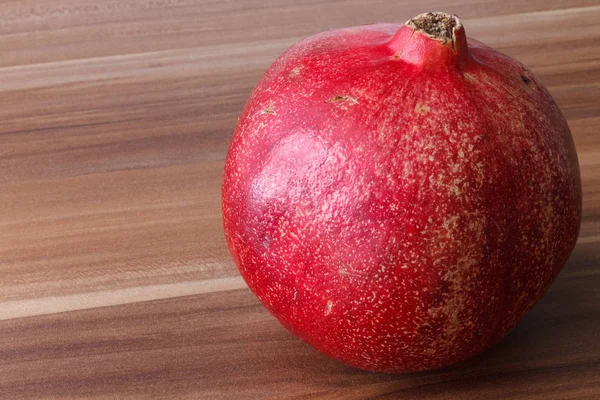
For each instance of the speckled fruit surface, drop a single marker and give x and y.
(400, 196)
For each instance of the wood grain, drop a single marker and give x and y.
(115, 279)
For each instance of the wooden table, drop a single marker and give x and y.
(115, 279)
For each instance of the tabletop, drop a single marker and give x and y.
(115, 278)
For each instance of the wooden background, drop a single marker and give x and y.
(115, 279)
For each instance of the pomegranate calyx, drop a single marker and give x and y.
(431, 40)
(436, 25)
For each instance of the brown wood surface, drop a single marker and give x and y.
(115, 279)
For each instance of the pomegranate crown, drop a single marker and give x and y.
(436, 25)
(431, 40)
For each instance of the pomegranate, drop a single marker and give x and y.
(400, 196)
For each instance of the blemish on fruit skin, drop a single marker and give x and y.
(470, 77)
(295, 72)
(342, 99)
(397, 56)
(526, 80)
(422, 109)
(269, 109)
(328, 307)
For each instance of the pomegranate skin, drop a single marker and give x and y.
(397, 198)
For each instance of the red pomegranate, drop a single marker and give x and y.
(399, 197)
